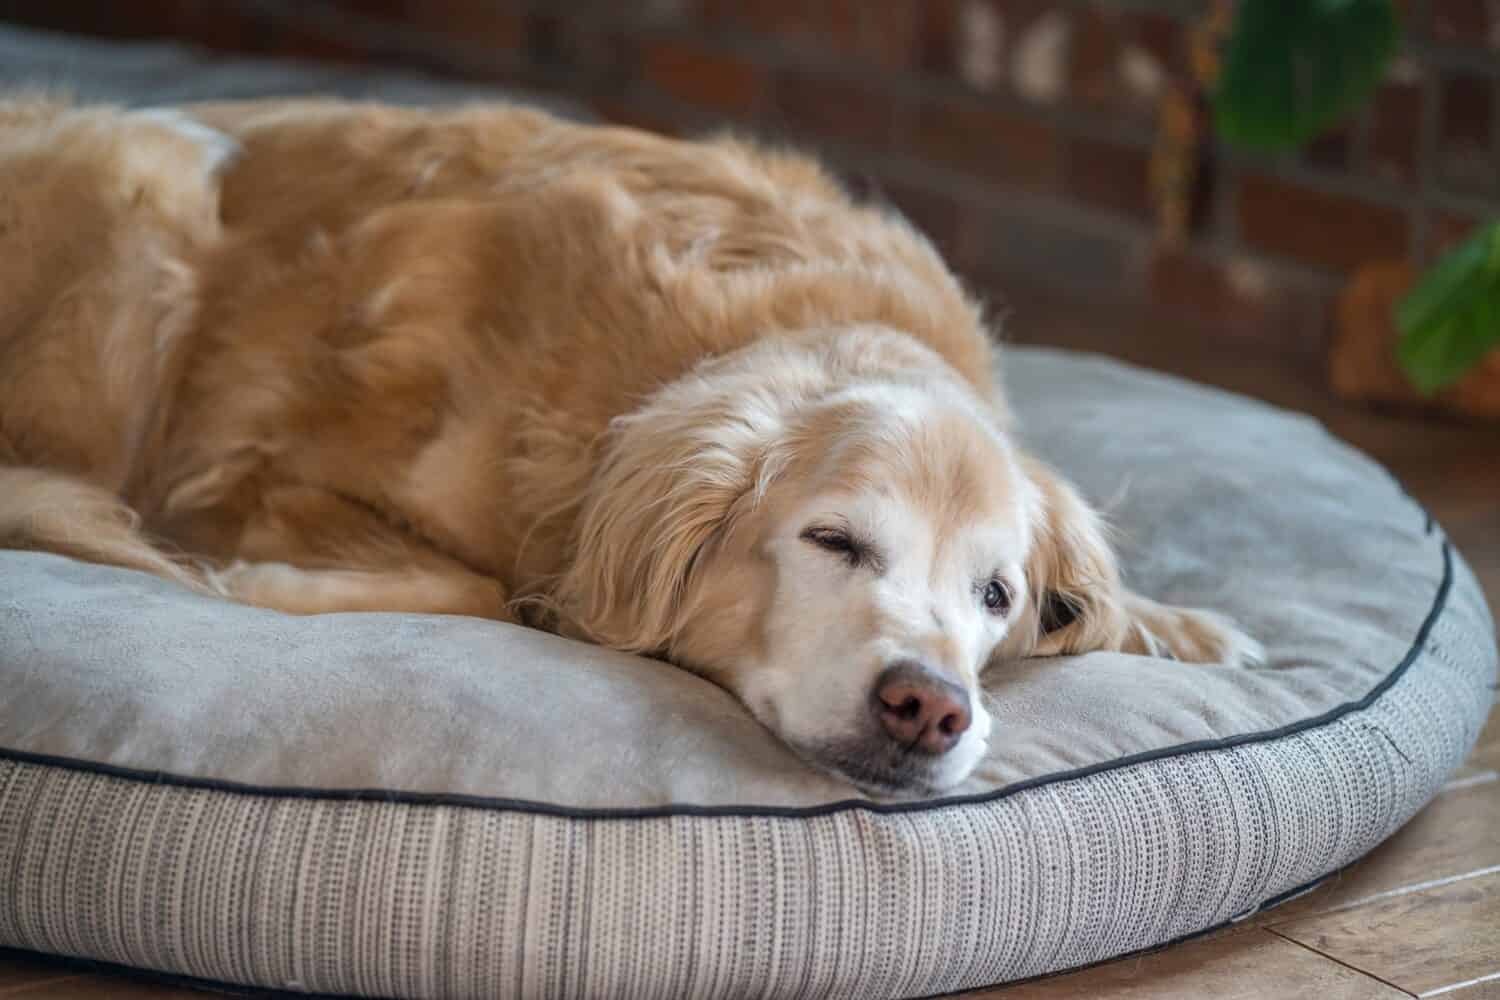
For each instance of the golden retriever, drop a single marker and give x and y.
(686, 399)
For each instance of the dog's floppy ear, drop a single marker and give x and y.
(673, 479)
(1075, 601)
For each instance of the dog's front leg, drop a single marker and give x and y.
(321, 591)
(306, 550)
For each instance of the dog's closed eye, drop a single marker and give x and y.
(842, 543)
(1058, 611)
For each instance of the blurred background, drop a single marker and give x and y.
(1033, 140)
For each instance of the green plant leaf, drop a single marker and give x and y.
(1444, 284)
(1451, 319)
(1294, 67)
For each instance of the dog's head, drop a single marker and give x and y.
(837, 530)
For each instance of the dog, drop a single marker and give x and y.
(687, 399)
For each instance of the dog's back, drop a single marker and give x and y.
(101, 214)
(440, 313)
(421, 319)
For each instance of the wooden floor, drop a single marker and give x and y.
(1420, 916)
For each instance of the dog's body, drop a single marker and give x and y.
(486, 362)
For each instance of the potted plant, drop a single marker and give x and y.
(1277, 73)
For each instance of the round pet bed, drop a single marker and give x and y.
(399, 805)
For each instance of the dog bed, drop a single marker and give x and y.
(402, 805)
(398, 805)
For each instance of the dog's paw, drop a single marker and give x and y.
(254, 583)
(1192, 635)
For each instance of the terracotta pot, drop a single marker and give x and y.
(1362, 359)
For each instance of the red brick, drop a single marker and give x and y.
(1111, 177)
(1330, 231)
(1094, 75)
(1184, 280)
(661, 12)
(839, 27)
(1163, 37)
(1465, 154)
(1463, 22)
(826, 107)
(857, 32)
(934, 212)
(1097, 69)
(1395, 125)
(490, 25)
(1022, 14)
(703, 77)
(288, 38)
(230, 29)
(1259, 306)
(782, 20)
(1332, 149)
(236, 30)
(989, 143)
(1466, 109)
(301, 42)
(597, 58)
(936, 30)
(381, 10)
(635, 114)
(889, 33)
(1448, 231)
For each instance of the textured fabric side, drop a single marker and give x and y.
(391, 899)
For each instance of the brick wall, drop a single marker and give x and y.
(1017, 132)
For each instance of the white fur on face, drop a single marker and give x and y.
(698, 545)
(834, 624)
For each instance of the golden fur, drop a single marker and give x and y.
(487, 362)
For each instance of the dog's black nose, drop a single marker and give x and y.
(920, 709)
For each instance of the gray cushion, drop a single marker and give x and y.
(429, 806)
